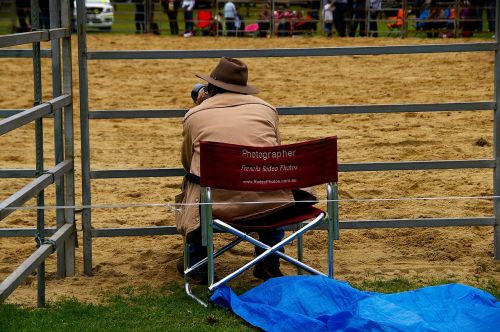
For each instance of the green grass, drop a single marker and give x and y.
(165, 309)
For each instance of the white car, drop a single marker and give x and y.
(100, 14)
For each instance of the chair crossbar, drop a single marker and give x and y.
(216, 254)
(269, 250)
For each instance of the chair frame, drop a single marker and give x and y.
(209, 226)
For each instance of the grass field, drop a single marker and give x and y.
(161, 309)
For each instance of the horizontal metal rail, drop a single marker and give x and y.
(134, 231)
(416, 165)
(33, 37)
(17, 173)
(361, 224)
(36, 112)
(24, 232)
(351, 167)
(33, 188)
(292, 52)
(136, 173)
(15, 53)
(36, 258)
(4, 113)
(309, 110)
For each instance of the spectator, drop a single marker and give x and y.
(23, 11)
(187, 7)
(264, 20)
(44, 14)
(230, 14)
(171, 7)
(328, 17)
(229, 113)
(490, 6)
(358, 15)
(339, 16)
(140, 17)
(375, 6)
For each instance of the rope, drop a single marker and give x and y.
(178, 206)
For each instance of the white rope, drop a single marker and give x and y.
(177, 206)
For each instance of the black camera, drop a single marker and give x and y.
(196, 90)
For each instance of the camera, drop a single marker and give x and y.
(196, 90)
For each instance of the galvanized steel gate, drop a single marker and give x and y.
(60, 108)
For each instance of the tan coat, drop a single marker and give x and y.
(229, 118)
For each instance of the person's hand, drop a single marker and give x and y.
(202, 95)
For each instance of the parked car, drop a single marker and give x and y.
(100, 14)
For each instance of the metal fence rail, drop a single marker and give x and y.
(59, 108)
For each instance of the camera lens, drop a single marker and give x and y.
(196, 90)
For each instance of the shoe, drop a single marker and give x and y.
(198, 277)
(265, 271)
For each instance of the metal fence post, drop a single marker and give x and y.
(84, 134)
(496, 138)
(40, 199)
(58, 135)
(69, 188)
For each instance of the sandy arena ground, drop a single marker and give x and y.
(462, 254)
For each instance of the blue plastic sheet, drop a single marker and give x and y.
(315, 303)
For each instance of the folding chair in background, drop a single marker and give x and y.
(204, 22)
(248, 168)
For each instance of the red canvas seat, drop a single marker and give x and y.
(246, 168)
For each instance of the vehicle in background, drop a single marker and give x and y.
(100, 14)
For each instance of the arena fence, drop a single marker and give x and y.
(87, 114)
(60, 109)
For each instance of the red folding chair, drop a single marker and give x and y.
(284, 167)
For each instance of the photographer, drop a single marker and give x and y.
(228, 112)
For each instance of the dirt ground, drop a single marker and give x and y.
(461, 254)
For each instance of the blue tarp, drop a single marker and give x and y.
(315, 303)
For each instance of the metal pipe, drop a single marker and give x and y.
(84, 136)
(40, 200)
(69, 187)
(496, 137)
(58, 123)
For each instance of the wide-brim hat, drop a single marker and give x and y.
(231, 75)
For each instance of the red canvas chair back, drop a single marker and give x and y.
(246, 168)
(204, 19)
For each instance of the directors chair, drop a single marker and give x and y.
(258, 169)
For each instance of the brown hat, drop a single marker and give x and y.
(231, 75)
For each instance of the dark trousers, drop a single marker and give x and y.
(339, 18)
(188, 19)
(172, 21)
(230, 27)
(358, 19)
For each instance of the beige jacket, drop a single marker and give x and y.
(229, 118)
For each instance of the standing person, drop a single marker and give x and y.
(490, 6)
(230, 14)
(358, 18)
(339, 16)
(264, 20)
(171, 7)
(140, 17)
(44, 14)
(375, 6)
(187, 7)
(228, 112)
(23, 11)
(328, 17)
